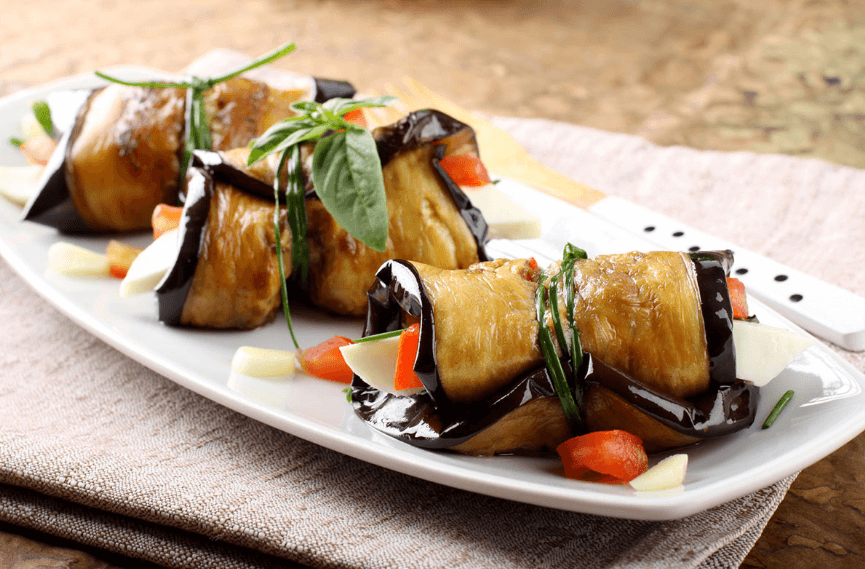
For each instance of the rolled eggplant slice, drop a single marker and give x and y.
(630, 317)
(226, 273)
(430, 220)
(122, 156)
(427, 219)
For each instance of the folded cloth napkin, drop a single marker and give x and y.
(99, 449)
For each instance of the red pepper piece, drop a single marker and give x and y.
(405, 376)
(616, 456)
(325, 360)
(465, 170)
(738, 298)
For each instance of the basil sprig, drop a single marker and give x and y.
(571, 400)
(346, 169)
(197, 125)
(346, 173)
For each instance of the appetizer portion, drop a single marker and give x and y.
(430, 219)
(125, 151)
(224, 271)
(650, 335)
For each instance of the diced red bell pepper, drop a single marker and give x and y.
(326, 361)
(165, 218)
(465, 170)
(120, 258)
(738, 298)
(356, 117)
(405, 376)
(604, 456)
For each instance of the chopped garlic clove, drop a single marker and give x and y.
(75, 261)
(19, 183)
(260, 362)
(668, 473)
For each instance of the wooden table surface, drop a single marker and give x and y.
(770, 76)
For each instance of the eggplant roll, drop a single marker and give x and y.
(122, 156)
(430, 220)
(656, 329)
(226, 274)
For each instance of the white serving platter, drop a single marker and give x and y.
(826, 411)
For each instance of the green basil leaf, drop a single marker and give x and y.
(16, 142)
(342, 106)
(43, 115)
(282, 139)
(346, 172)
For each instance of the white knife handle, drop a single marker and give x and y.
(825, 310)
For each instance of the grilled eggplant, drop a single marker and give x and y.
(122, 156)
(656, 329)
(430, 220)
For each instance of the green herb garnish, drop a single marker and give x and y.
(197, 125)
(382, 336)
(16, 142)
(279, 261)
(346, 169)
(346, 173)
(779, 406)
(570, 400)
(43, 114)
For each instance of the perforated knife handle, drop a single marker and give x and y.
(822, 309)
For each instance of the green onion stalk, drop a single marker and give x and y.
(197, 124)
(571, 399)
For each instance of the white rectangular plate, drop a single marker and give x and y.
(824, 414)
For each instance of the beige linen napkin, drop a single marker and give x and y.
(96, 448)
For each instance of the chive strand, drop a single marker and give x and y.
(279, 259)
(553, 294)
(297, 212)
(779, 406)
(554, 364)
(382, 336)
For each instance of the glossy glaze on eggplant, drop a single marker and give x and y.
(123, 155)
(226, 273)
(643, 321)
(427, 221)
(429, 218)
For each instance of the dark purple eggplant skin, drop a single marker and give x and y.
(429, 420)
(712, 269)
(207, 167)
(430, 126)
(174, 289)
(52, 205)
(326, 89)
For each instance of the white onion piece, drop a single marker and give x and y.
(150, 265)
(375, 363)
(762, 352)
